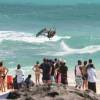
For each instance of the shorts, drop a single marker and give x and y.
(52, 78)
(46, 77)
(92, 86)
(79, 81)
(85, 77)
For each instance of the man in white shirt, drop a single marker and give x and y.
(91, 76)
(20, 76)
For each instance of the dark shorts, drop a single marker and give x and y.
(46, 77)
(85, 77)
(64, 79)
(92, 86)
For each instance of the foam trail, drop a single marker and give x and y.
(66, 50)
(28, 37)
(89, 49)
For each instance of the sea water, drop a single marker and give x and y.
(77, 34)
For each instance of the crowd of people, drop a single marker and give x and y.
(85, 75)
(52, 71)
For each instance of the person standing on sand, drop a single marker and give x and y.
(3, 74)
(57, 71)
(51, 62)
(64, 69)
(19, 75)
(37, 70)
(91, 76)
(78, 75)
(46, 68)
(84, 75)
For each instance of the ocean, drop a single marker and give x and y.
(77, 34)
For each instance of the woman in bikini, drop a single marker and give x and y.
(3, 74)
(37, 70)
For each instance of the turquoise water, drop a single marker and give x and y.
(48, 2)
(77, 26)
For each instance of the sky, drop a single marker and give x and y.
(49, 2)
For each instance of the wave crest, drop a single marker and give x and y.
(66, 50)
(88, 49)
(27, 37)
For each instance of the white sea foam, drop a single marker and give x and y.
(27, 37)
(66, 50)
(88, 49)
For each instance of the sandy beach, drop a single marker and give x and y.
(71, 80)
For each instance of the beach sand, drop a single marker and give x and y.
(98, 88)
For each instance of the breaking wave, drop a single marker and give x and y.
(66, 50)
(88, 49)
(27, 37)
